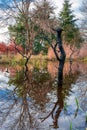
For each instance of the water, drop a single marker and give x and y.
(31, 100)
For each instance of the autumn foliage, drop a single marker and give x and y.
(3, 47)
(10, 48)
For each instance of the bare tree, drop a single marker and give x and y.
(44, 15)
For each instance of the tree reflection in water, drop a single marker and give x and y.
(62, 93)
(29, 99)
(29, 95)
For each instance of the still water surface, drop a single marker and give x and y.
(31, 100)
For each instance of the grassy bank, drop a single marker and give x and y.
(35, 59)
(18, 59)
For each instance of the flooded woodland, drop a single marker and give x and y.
(43, 65)
(30, 98)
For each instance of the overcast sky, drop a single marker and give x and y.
(58, 3)
(76, 4)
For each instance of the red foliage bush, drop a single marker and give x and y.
(9, 48)
(3, 47)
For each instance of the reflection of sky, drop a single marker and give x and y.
(4, 2)
(64, 119)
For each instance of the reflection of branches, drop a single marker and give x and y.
(27, 84)
(62, 93)
(7, 113)
(55, 113)
(51, 113)
(20, 105)
(25, 119)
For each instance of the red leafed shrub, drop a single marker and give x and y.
(3, 47)
(19, 48)
(11, 48)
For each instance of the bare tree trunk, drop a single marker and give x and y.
(56, 110)
(61, 65)
(62, 57)
(21, 53)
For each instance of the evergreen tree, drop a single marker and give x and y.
(71, 34)
(18, 31)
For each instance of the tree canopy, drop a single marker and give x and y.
(71, 34)
(37, 24)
